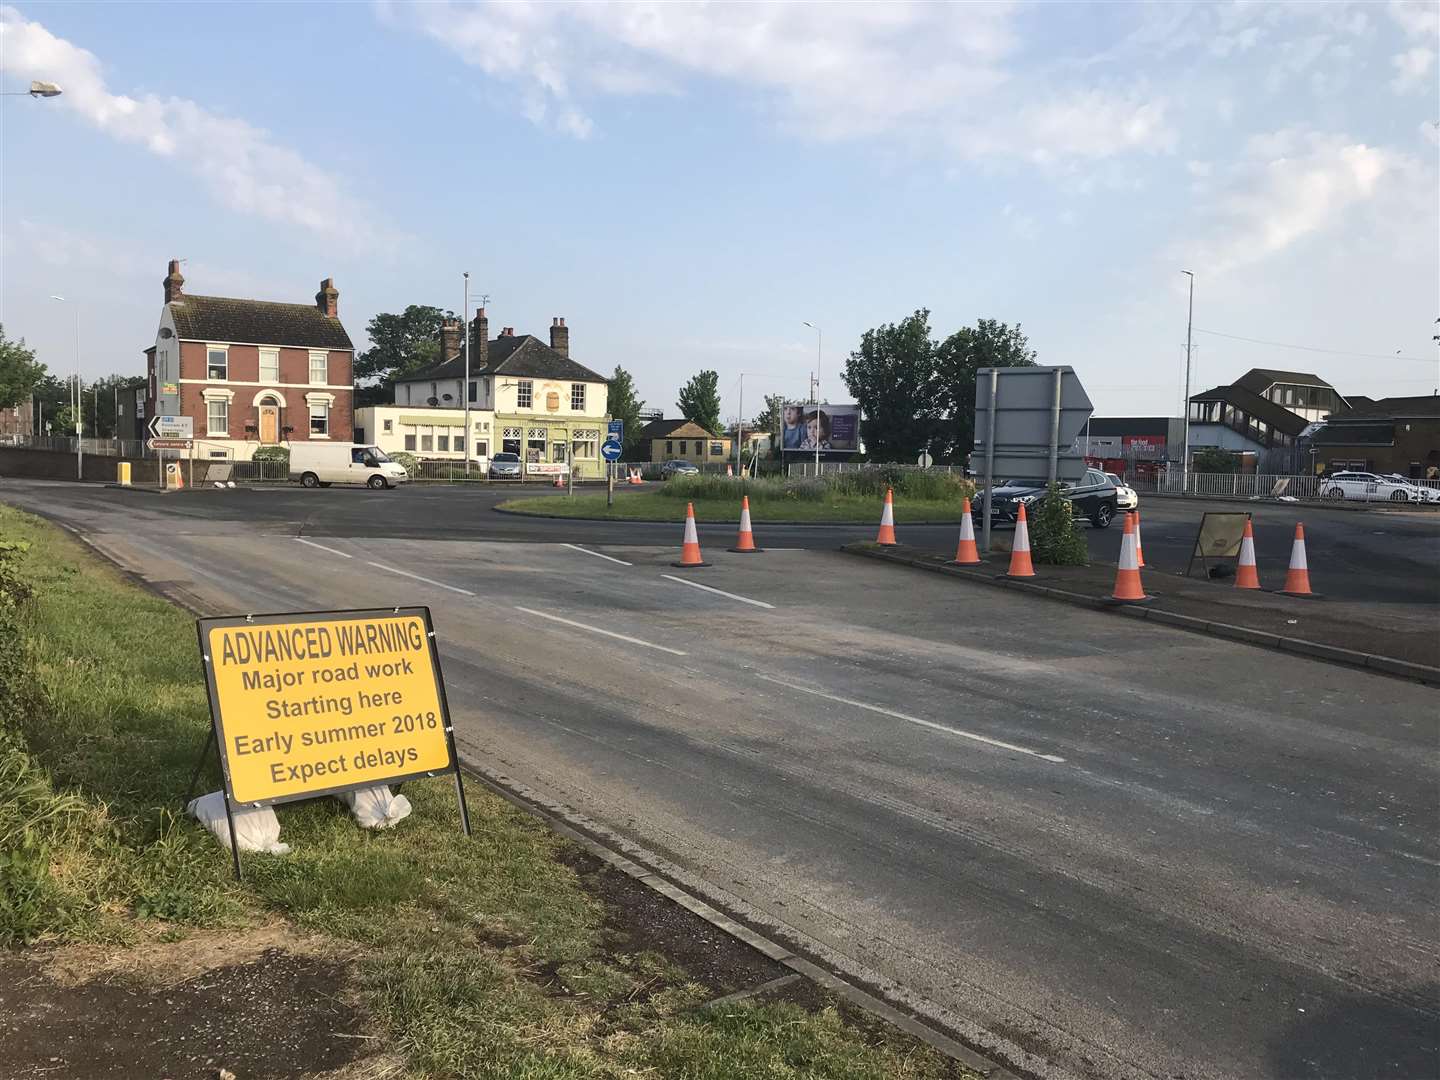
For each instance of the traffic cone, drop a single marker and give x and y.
(729, 470)
(746, 544)
(1297, 578)
(1139, 549)
(886, 537)
(1128, 589)
(690, 549)
(1020, 565)
(1246, 574)
(966, 554)
(559, 481)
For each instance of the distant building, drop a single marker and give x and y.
(1123, 441)
(684, 440)
(1392, 435)
(250, 373)
(526, 397)
(17, 420)
(1261, 415)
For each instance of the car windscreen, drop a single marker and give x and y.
(376, 453)
(503, 457)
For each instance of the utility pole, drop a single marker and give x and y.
(740, 428)
(815, 391)
(465, 390)
(1189, 328)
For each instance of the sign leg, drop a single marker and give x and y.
(460, 797)
(234, 843)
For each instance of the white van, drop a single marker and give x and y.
(320, 464)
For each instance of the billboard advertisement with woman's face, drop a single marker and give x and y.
(824, 427)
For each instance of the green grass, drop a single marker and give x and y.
(479, 958)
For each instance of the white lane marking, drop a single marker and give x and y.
(597, 554)
(915, 720)
(722, 592)
(417, 577)
(322, 547)
(597, 630)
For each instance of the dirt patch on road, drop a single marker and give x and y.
(259, 1003)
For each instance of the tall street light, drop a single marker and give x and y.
(819, 340)
(1189, 325)
(79, 443)
(465, 390)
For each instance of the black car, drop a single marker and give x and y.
(1092, 496)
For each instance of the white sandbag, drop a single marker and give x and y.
(256, 828)
(376, 807)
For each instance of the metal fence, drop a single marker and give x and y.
(1245, 485)
(65, 444)
(801, 469)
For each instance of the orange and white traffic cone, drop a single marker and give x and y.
(966, 554)
(1128, 589)
(559, 481)
(1139, 548)
(729, 470)
(1297, 578)
(1020, 565)
(690, 548)
(746, 544)
(1247, 576)
(886, 537)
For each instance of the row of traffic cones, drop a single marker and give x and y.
(690, 557)
(1297, 577)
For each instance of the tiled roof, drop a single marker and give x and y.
(522, 355)
(256, 322)
(1258, 380)
(1423, 405)
(664, 429)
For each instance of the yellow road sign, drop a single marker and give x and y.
(312, 703)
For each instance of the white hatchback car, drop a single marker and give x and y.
(1371, 487)
(1125, 497)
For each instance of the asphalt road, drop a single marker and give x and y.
(1093, 848)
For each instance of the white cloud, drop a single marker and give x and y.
(1289, 186)
(1411, 67)
(925, 71)
(1418, 18)
(241, 165)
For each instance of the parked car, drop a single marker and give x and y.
(1417, 492)
(1093, 496)
(504, 466)
(320, 464)
(1371, 487)
(1125, 497)
(676, 467)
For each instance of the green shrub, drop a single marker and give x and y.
(862, 483)
(280, 455)
(1055, 536)
(407, 461)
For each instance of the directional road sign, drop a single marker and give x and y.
(611, 450)
(171, 427)
(1038, 412)
(168, 444)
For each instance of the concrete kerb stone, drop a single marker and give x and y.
(1313, 650)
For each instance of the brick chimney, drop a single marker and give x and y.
(479, 341)
(328, 298)
(174, 283)
(560, 336)
(507, 331)
(449, 339)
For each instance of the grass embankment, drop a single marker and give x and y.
(476, 958)
(846, 497)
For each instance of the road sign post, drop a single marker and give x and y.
(611, 450)
(1026, 422)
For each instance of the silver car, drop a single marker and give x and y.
(504, 466)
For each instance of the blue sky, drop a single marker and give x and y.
(688, 184)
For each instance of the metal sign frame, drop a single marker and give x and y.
(1196, 552)
(204, 626)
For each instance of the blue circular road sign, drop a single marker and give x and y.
(610, 451)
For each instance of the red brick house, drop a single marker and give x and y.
(251, 373)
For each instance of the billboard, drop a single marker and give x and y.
(808, 427)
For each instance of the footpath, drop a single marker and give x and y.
(1378, 637)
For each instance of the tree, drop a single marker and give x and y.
(53, 397)
(399, 344)
(769, 418)
(957, 359)
(100, 401)
(20, 372)
(1214, 460)
(892, 377)
(624, 405)
(700, 401)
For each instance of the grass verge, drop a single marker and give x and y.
(654, 506)
(484, 958)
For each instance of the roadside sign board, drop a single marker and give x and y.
(1026, 412)
(318, 702)
(617, 431)
(1218, 537)
(168, 444)
(171, 427)
(611, 451)
(546, 468)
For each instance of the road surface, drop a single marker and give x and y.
(1090, 848)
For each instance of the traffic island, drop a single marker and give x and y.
(415, 950)
(1328, 631)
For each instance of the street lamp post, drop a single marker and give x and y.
(819, 341)
(37, 90)
(465, 390)
(79, 441)
(1189, 325)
